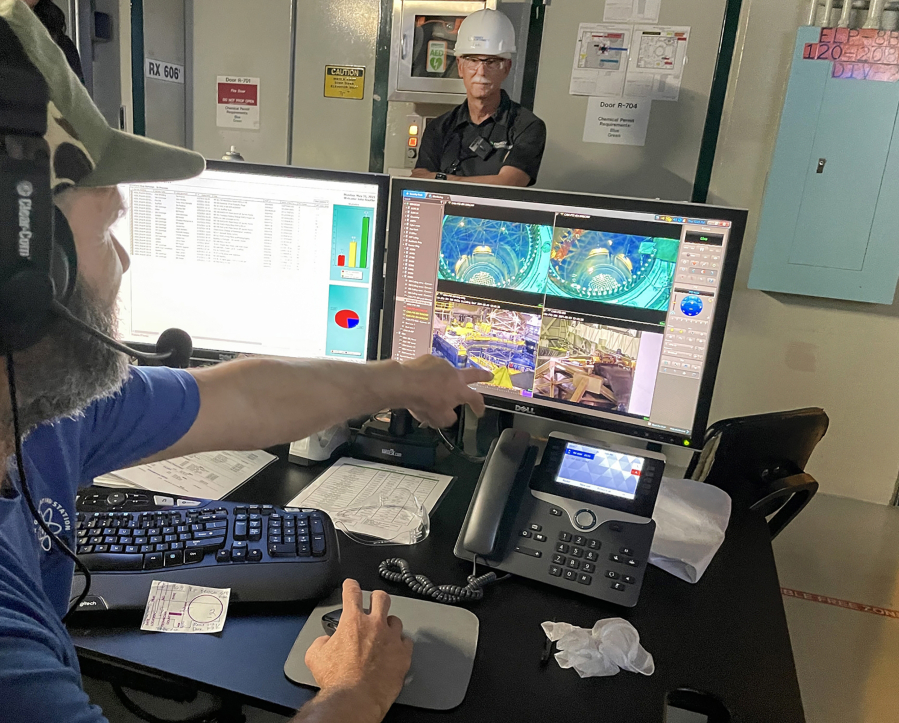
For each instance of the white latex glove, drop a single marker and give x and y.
(612, 645)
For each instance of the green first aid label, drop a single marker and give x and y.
(436, 56)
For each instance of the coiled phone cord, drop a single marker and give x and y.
(397, 570)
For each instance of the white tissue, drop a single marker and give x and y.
(611, 645)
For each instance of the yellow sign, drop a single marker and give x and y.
(344, 81)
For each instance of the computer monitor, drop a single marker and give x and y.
(600, 311)
(252, 259)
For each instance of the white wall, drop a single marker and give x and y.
(164, 102)
(666, 165)
(251, 39)
(782, 351)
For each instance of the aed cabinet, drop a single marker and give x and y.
(830, 218)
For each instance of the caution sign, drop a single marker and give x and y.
(344, 81)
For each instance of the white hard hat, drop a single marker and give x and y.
(486, 32)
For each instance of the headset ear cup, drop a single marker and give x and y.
(64, 261)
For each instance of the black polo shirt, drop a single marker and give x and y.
(512, 136)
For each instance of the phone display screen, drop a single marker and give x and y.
(600, 470)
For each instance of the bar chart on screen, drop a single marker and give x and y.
(352, 227)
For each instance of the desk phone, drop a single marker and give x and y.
(580, 520)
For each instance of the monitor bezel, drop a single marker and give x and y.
(736, 216)
(204, 355)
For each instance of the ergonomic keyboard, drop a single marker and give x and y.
(128, 538)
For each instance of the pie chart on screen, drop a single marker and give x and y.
(346, 319)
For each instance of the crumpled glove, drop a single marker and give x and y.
(612, 645)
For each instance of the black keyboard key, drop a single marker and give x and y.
(240, 510)
(240, 530)
(162, 547)
(85, 549)
(288, 539)
(168, 530)
(148, 548)
(555, 511)
(254, 555)
(207, 534)
(555, 571)
(153, 561)
(217, 525)
(255, 535)
(565, 536)
(592, 555)
(304, 550)
(124, 532)
(154, 531)
(176, 545)
(303, 539)
(316, 526)
(633, 563)
(196, 528)
(318, 545)
(239, 545)
(101, 548)
(577, 551)
(103, 563)
(170, 538)
(131, 549)
(95, 539)
(116, 548)
(594, 544)
(561, 547)
(626, 551)
(525, 533)
(140, 540)
(578, 540)
(584, 579)
(126, 541)
(255, 517)
(275, 539)
(618, 586)
(282, 550)
(628, 579)
(182, 528)
(223, 556)
(173, 559)
(558, 559)
(574, 564)
(540, 538)
(534, 527)
(109, 531)
(267, 509)
(191, 556)
(154, 539)
(238, 554)
(588, 567)
(110, 540)
(571, 575)
(612, 575)
(616, 558)
(210, 543)
(184, 536)
(240, 517)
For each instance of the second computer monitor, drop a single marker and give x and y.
(252, 259)
(601, 311)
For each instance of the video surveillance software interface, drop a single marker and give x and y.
(250, 263)
(600, 312)
(600, 470)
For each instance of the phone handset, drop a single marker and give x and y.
(510, 461)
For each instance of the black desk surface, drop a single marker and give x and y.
(726, 635)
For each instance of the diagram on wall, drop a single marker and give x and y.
(495, 253)
(613, 268)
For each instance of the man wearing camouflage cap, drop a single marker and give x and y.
(83, 411)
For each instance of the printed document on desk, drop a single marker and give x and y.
(208, 475)
(351, 484)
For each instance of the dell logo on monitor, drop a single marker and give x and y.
(526, 410)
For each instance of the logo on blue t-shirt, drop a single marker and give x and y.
(56, 518)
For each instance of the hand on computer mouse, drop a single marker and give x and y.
(365, 661)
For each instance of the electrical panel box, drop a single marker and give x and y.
(830, 218)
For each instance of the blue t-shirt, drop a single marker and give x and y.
(40, 679)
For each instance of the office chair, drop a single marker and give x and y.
(760, 461)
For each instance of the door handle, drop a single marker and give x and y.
(403, 47)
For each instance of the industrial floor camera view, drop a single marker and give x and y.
(587, 364)
(484, 336)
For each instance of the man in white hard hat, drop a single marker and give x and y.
(489, 138)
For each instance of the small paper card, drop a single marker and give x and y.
(178, 608)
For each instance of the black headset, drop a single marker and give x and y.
(38, 262)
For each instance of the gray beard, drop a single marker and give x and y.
(68, 369)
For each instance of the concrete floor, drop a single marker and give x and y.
(847, 650)
(847, 657)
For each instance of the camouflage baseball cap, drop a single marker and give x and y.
(84, 150)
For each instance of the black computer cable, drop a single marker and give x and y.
(26, 493)
(397, 569)
(458, 451)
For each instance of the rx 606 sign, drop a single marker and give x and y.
(160, 70)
